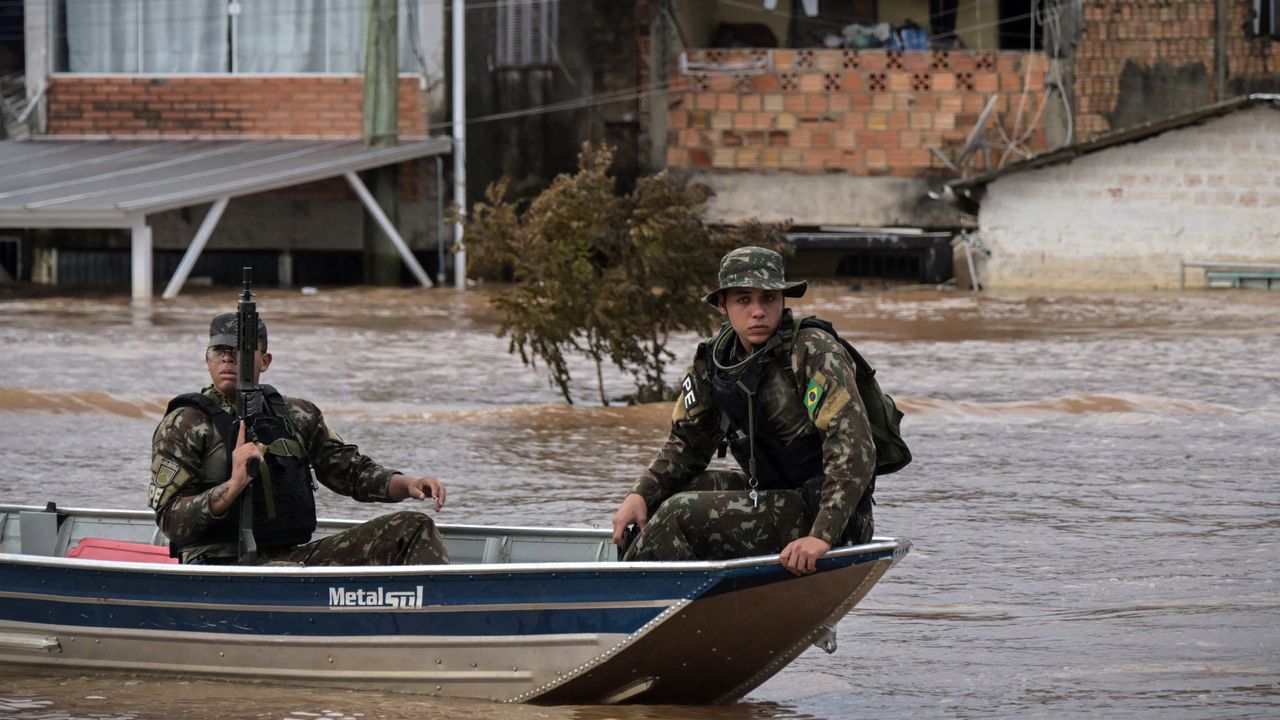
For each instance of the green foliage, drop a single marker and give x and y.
(606, 275)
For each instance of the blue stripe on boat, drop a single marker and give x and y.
(326, 623)
(304, 590)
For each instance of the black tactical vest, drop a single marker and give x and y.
(284, 506)
(778, 465)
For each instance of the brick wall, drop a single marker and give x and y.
(1170, 45)
(855, 112)
(1123, 217)
(305, 106)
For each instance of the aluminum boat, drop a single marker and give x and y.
(541, 615)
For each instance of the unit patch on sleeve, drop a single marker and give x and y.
(813, 397)
(690, 399)
(163, 472)
(688, 404)
(166, 476)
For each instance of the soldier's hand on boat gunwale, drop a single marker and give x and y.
(419, 488)
(800, 557)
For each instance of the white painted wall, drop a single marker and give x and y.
(835, 199)
(1122, 218)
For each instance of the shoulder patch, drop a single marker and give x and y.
(166, 477)
(814, 392)
(813, 396)
(689, 403)
(165, 471)
(688, 396)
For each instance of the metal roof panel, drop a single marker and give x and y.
(60, 182)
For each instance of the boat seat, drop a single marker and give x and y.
(101, 549)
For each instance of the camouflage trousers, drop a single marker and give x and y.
(715, 520)
(400, 538)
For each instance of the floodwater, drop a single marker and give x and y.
(1093, 501)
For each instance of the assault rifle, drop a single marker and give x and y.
(249, 405)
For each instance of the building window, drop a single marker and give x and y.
(1265, 20)
(178, 37)
(526, 33)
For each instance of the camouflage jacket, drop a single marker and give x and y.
(836, 413)
(189, 459)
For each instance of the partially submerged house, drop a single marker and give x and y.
(844, 118)
(151, 131)
(1133, 209)
(849, 121)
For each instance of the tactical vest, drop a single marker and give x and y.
(778, 465)
(790, 465)
(284, 506)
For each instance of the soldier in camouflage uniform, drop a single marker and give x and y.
(195, 480)
(782, 395)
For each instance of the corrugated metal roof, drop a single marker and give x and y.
(1119, 137)
(56, 182)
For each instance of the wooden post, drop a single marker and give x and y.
(381, 110)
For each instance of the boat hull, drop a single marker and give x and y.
(583, 631)
(722, 645)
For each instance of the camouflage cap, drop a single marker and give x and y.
(222, 331)
(755, 267)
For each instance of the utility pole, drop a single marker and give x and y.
(1220, 51)
(459, 138)
(380, 115)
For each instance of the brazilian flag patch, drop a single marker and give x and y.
(813, 396)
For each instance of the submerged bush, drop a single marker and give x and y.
(608, 275)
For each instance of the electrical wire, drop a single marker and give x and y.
(1049, 17)
(609, 98)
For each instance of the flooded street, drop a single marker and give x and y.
(1093, 502)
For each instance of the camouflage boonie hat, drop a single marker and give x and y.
(757, 268)
(222, 331)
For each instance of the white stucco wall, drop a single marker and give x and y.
(836, 199)
(1122, 218)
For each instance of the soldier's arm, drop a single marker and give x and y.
(827, 376)
(177, 456)
(688, 448)
(339, 466)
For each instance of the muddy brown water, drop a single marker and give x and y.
(1093, 501)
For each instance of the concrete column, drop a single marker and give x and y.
(379, 122)
(284, 267)
(44, 266)
(141, 260)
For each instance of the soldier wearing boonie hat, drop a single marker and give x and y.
(754, 267)
(806, 472)
(199, 471)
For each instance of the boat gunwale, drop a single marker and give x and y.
(878, 545)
